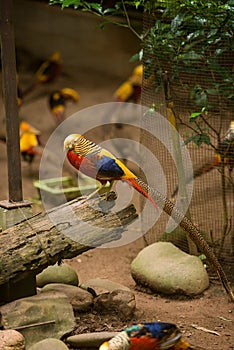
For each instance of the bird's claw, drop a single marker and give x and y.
(111, 196)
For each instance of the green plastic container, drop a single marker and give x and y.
(53, 190)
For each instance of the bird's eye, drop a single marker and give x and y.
(70, 146)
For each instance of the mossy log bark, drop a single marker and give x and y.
(62, 233)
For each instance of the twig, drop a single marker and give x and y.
(209, 125)
(19, 328)
(129, 23)
(205, 329)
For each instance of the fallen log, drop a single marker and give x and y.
(62, 233)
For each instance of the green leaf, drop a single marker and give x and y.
(199, 95)
(204, 110)
(137, 4)
(136, 57)
(212, 32)
(194, 115)
(202, 257)
(213, 91)
(176, 22)
(198, 139)
(109, 11)
(192, 55)
(67, 3)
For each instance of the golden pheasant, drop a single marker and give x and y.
(148, 336)
(47, 72)
(130, 90)
(29, 142)
(98, 163)
(58, 100)
(224, 155)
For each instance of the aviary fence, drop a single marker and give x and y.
(188, 78)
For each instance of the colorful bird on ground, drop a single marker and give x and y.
(224, 156)
(47, 72)
(58, 100)
(98, 163)
(30, 144)
(147, 336)
(130, 90)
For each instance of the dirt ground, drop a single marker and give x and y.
(212, 310)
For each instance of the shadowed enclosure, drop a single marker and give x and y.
(188, 79)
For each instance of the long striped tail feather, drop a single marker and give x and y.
(168, 207)
(136, 184)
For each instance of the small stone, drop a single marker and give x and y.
(63, 273)
(11, 340)
(80, 299)
(49, 344)
(102, 285)
(165, 268)
(121, 303)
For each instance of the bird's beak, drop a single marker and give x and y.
(65, 145)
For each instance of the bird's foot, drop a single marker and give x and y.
(108, 201)
(111, 196)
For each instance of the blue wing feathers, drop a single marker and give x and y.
(107, 167)
(156, 329)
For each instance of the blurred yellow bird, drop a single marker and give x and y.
(130, 90)
(29, 142)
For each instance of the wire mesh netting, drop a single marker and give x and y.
(199, 93)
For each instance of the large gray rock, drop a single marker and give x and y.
(165, 268)
(80, 299)
(11, 340)
(45, 315)
(63, 273)
(49, 344)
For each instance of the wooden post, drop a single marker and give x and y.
(9, 213)
(10, 100)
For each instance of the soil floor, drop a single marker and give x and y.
(212, 310)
